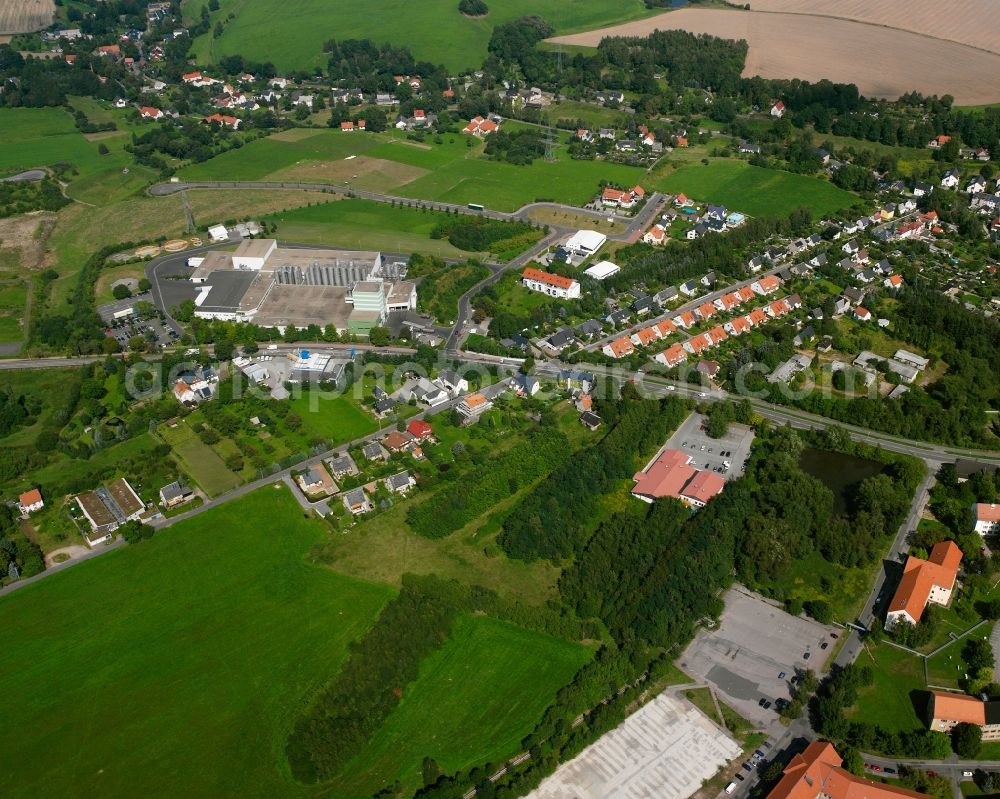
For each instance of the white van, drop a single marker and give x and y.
(731, 787)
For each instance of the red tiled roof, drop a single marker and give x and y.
(30, 497)
(958, 707)
(818, 772)
(418, 428)
(547, 277)
(921, 576)
(621, 347)
(666, 476)
(704, 486)
(987, 512)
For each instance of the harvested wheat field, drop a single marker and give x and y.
(972, 22)
(882, 62)
(22, 16)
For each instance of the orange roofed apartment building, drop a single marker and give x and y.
(924, 581)
(818, 773)
(946, 710)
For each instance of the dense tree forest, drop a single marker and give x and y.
(551, 522)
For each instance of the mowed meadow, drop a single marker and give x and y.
(755, 190)
(453, 171)
(292, 35)
(177, 667)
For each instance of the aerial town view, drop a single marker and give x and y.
(568, 399)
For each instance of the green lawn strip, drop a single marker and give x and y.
(899, 681)
(13, 297)
(182, 661)
(260, 31)
(701, 698)
(475, 699)
(755, 190)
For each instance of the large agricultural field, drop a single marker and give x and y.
(198, 649)
(754, 190)
(450, 172)
(882, 61)
(971, 22)
(21, 16)
(293, 38)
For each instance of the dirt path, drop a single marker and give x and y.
(74, 551)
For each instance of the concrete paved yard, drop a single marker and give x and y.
(665, 750)
(754, 643)
(708, 452)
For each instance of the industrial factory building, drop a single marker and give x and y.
(279, 287)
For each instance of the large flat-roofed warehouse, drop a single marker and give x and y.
(280, 287)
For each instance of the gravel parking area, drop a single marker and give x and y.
(754, 653)
(713, 453)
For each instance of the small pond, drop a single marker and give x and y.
(838, 472)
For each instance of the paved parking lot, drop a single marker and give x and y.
(754, 643)
(713, 453)
(665, 750)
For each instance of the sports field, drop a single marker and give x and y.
(754, 190)
(365, 225)
(450, 172)
(488, 686)
(292, 37)
(176, 667)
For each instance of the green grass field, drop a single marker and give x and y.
(362, 224)
(13, 297)
(488, 686)
(37, 137)
(754, 190)
(292, 37)
(899, 680)
(335, 419)
(177, 667)
(450, 172)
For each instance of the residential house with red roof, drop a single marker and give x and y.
(619, 348)
(644, 336)
(30, 501)
(672, 356)
(765, 285)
